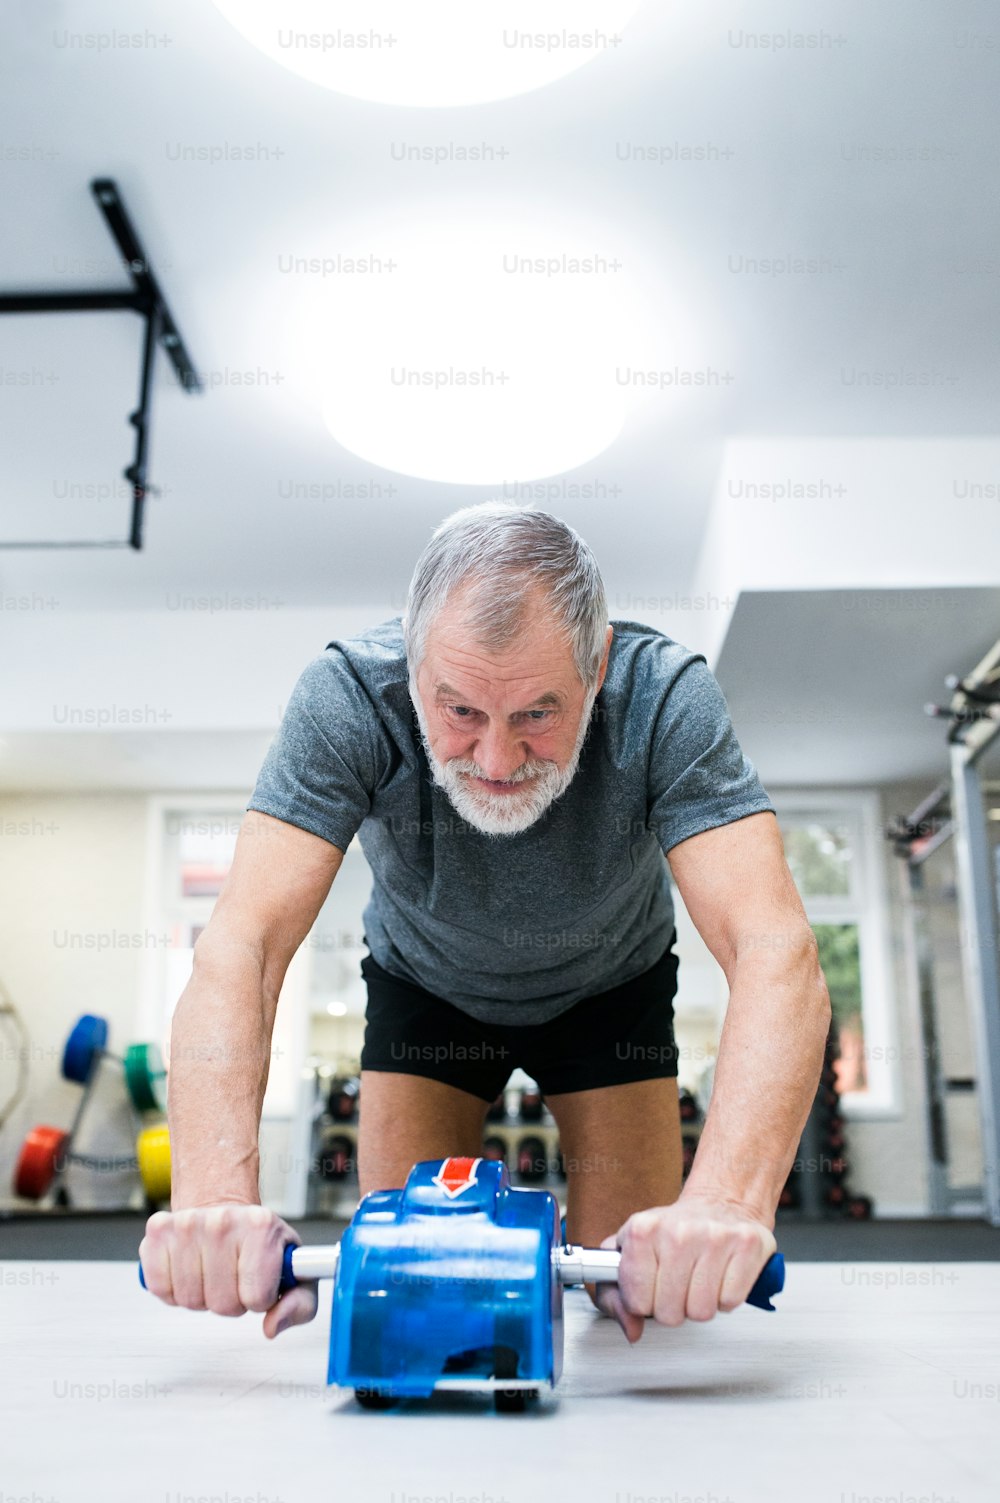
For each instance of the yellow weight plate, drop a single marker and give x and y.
(152, 1148)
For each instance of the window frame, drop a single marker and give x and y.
(867, 905)
(289, 1039)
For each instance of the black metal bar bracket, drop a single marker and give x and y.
(145, 298)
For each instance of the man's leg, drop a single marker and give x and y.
(405, 1118)
(622, 1147)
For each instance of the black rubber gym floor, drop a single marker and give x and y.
(113, 1235)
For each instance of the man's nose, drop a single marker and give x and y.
(499, 753)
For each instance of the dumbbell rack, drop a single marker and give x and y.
(512, 1133)
(48, 1151)
(817, 1188)
(66, 1155)
(336, 1195)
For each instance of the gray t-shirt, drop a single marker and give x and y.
(515, 928)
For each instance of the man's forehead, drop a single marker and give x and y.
(450, 654)
(444, 690)
(470, 673)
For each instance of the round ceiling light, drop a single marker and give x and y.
(467, 351)
(444, 53)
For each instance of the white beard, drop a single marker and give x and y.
(504, 813)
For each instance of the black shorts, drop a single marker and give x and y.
(613, 1038)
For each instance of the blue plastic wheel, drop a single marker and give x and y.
(449, 1280)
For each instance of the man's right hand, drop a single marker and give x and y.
(224, 1258)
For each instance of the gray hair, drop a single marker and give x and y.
(496, 552)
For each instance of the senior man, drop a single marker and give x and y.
(517, 768)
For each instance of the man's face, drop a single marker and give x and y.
(503, 733)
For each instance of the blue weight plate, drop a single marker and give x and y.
(88, 1037)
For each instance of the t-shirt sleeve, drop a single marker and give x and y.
(699, 777)
(324, 763)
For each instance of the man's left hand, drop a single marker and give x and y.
(686, 1261)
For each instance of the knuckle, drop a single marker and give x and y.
(259, 1303)
(629, 1299)
(214, 1223)
(700, 1312)
(227, 1305)
(158, 1224)
(155, 1284)
(668, 1310)
(257, 1284)
(260, 1291)
(640, 1230)
(185, 1224)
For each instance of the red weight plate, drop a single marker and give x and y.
(39, 1159)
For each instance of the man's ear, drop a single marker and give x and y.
(609, 636)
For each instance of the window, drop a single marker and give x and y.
(191, 844)
(834, 848)
(192, 841)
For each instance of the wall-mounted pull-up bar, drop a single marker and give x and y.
(145, 298)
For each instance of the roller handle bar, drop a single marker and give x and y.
(576, 1265)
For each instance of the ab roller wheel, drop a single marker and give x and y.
(456, 1282)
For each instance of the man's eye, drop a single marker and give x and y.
(464, 711)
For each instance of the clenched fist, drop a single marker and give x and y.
(224, 1258)
(686, 1261)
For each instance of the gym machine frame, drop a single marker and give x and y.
(974, 713)
(146, 299)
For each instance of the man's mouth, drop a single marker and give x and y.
(490, 785)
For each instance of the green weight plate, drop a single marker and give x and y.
(145, 1077)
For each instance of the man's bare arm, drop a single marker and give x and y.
(221, 1036)
(741, 897)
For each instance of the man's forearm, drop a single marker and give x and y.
(769, 1064)
(219, 1057)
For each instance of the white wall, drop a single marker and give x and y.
(165, 670)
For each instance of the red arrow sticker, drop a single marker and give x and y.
(456, 1175)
